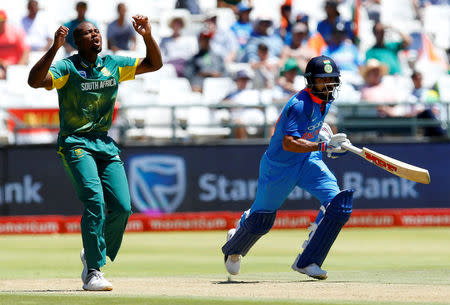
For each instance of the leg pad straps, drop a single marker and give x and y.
(320, 241)
(250, 231)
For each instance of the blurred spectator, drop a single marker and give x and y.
(81, 8)
(206, 63)
(300, 18)
(326, 26)
(13, 48)
(375, 91)
(298, 48)
(38, 34)
(421, 94)
(177, 49)
(286, 24)
(373, 8)
(303, 18)
(242, 28)
(387, 52)
(426, 107)
(315, 40)
(286, 83)
(262, 35)
(265, 68)
(191, 5)
(223, 41)
(343, 51)
(120, 33)
(242, 117)
(419, 6)
(425, 3)
(317, 43)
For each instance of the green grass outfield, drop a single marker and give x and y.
(416, 256)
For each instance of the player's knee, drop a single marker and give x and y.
(127, 210)
(259, 223)
(91, 192)
(124, 207)
(340, 207)
(121, 211)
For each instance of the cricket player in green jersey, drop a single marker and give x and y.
(87, 89)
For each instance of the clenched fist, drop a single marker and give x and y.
(60, 36)
(141, 25)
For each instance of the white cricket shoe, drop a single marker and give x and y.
(85, 268)
(233, 261)
(96, 282)
(312, 270)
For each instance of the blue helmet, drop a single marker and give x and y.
(323, 66)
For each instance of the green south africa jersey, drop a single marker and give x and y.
(87, 92)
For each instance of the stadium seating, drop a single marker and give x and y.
(160, 105)
(444, 88)
(216, 89)
(437, 22)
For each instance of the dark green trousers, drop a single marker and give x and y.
(92, 162)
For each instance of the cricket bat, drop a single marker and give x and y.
(391, 165)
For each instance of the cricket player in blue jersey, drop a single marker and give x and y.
(294, 158)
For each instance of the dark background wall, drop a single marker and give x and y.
(168, 179)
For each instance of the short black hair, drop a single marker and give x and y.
(415, 74)
(31, 1)
(81, 3)
(121, 4)
(263, 47)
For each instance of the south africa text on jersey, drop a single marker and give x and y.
(98, 84)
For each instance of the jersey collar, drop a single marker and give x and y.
(88, 65)
(314, 98)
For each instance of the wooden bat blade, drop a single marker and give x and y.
(397, 167)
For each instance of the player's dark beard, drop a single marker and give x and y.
(325, 95)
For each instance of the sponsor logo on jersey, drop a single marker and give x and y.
(89, 86)
(157, 182)
(82, 73)
(318, 125)
(79, 152)
(312, 130)
(105, 72)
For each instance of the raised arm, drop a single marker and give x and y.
(153, 59)
(39, 76)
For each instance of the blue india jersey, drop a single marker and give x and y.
(301, 117)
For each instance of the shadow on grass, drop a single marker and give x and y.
(235, 282)
(231, 282)
(41, 290)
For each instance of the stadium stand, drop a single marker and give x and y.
(162, 106)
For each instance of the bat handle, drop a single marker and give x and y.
(352, 148)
